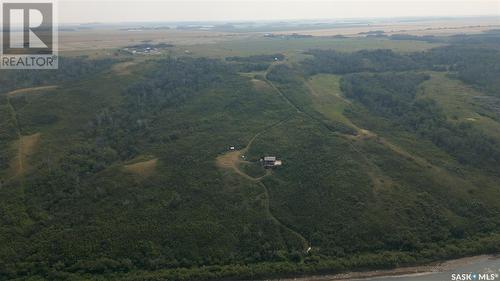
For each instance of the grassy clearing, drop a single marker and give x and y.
(123, 68)
(458, 102)
(253, 169)
(31, 90)
(232, 161)
(26, 147)
(142, 168)
(261, 86)
(327, 98)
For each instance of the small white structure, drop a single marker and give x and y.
(271, 162)
(231, 148)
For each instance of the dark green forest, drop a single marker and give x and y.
(420, 186)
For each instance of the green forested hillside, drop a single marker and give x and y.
(389, 159)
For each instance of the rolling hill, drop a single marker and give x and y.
(390, 158)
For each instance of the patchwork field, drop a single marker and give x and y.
(439, 27)
(293, 48)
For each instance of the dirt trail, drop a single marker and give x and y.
(284, 97)
(305, 244)
(232, 160)
(379, 179)
(361, 133)
(30, 90)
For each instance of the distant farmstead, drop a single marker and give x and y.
(271, 162)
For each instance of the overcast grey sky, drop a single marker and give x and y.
(78, 11)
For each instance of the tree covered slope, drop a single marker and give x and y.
(389, 159)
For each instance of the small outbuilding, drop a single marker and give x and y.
(271, 162)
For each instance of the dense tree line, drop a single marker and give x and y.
(283, 73)
(258, 58)
(69, 69)
(8, 133)
(253, 63)
(489, 39)
(476, 66)
(330, 61)
(426, 38)
(474, 60)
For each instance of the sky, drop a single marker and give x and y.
(112, 11)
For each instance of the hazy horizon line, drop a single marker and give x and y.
(249, 20)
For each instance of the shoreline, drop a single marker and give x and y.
(421, 270)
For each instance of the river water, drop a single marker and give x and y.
(483, 265)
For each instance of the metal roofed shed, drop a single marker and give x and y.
(271, 162)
